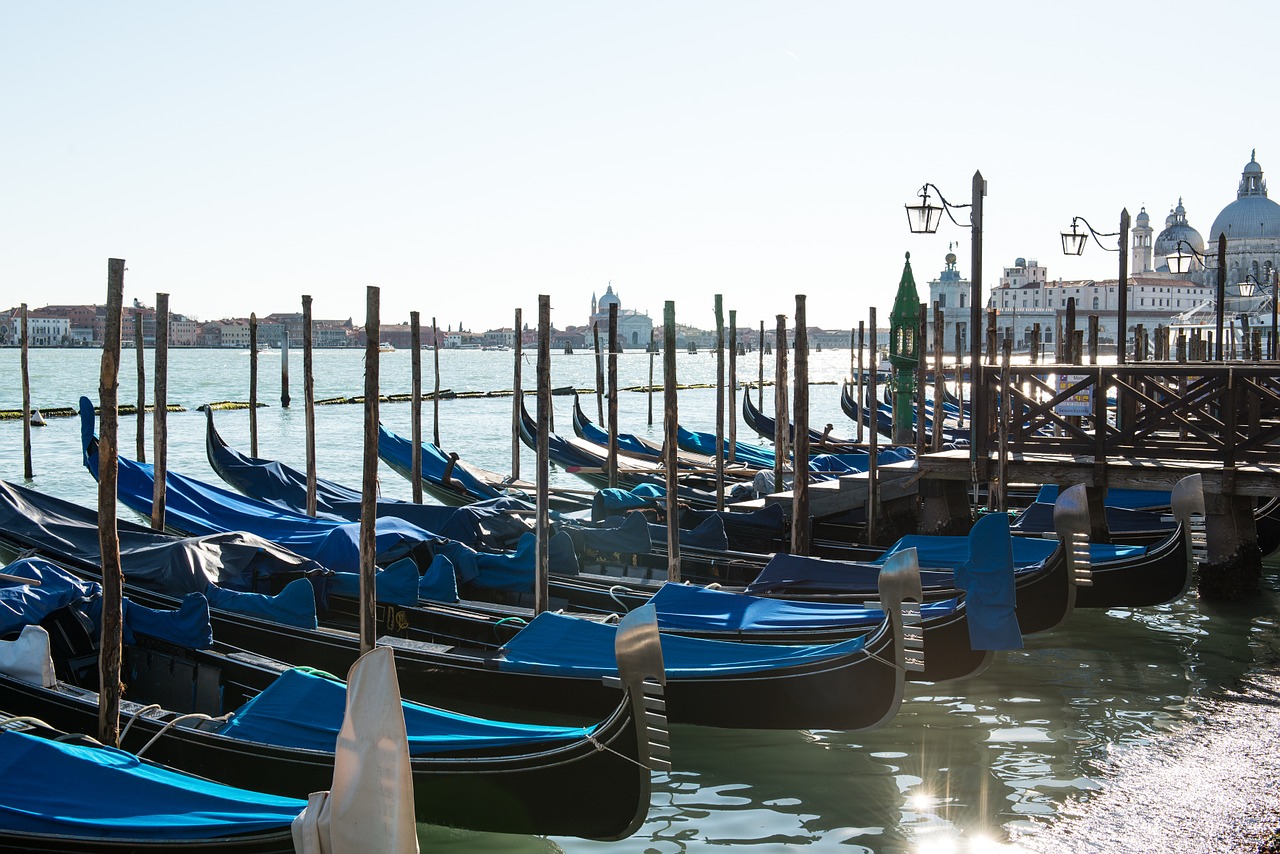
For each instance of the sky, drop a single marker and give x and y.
(467, 156)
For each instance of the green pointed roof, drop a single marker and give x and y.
(906, 305)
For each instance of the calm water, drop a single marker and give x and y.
(963, 767)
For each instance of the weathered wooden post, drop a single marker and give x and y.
(110, 688)
(991, 337)
(873, 433)
(613, 394)
(960, 376)
(517, 399)
(309, 402)
(542, 477)
(939, 379)
(733, 386)
(415, 402)
(1006, 392)
(719, 311)
(653, 353)
(781, 418)
(800, 491)
(253, 384)
(1035, 344)
(922, 373)
(861, 376)
(27, 471)
(284, 369)
(160, 422)
(595, 337)
(139, 350)
(1093, 339)
(670, 428)
(435, 397)
(369, 481)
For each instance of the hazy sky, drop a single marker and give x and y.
(468, 156)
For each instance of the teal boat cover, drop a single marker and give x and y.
(559, 645)
(304, 710)
(96, 792)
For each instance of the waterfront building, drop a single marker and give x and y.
(634, 328)
(1252, 226)
(951, 293)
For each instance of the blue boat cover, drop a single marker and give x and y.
(689, 607)
(568, 646)
(395, 585)
(1037, 518)
(987, 580)
(158, 561)
(769, 521)
(1125, 499)
(397, 452)
(440, 582)
(613, 501)
(295, 605)
(786, 570)
(88, 792)
(753, 456)
(304, 710)
(24, 604)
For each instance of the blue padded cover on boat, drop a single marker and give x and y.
(769, 520)
(1125, 499)
(396, 585)
(987, 579)
(629, 534)
(813, 573)
(99, 792)
(1037, 518)
(439, 583)
(305, 710)
(709, 535)
(398, 453)
(754, 456)
(613, 501)
(295, 605)
(507, 570)
(22, 605)
(568, 646)
(691, 607)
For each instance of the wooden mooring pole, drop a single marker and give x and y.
(160, 421)
(542, 516)
(284, 369)
(939, 378)
(719, 310)
(415, 400)
(873, 431)
(800, 521)
(27, 471)
(781, 419)
(517, 398)
(542, 477)
(140, 351)
(435, 397)
(670, 428)
(253, 384)
(613, 395)
(369, 481)
(760, 383)
(309, 403)
(110, 688)
(653, 354)
(595, 338)
(922, 366)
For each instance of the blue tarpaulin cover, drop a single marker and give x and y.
(395, 585)
(295, 605)
(99, 792)
(569, 646)
(23, 604)
(987, 579)
(612, 501)
(1126, 499)
(304, 710)
(690, 607)
(439, 583)
(1037, 518)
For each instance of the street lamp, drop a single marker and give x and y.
(1180, 262)
(1073, 243)
(925, 218)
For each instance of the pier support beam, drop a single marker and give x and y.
(1234, 564)
(944, 508)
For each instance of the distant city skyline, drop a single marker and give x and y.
(467, 157)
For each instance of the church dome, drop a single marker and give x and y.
(1143, 219)
(1176, 228)
(609, 298)
(1252, 215)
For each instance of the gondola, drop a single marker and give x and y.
(60, 792)
(552, 664)
(764, 426)
(248, 721)
(882, 422)
(738, 617)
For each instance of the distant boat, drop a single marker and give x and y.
(385, 347)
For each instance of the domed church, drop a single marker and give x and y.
(1251, 223)
(634, 328)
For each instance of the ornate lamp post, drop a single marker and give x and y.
(904, 354)
(1073, 243)
(924, 218)
(1180, 262)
